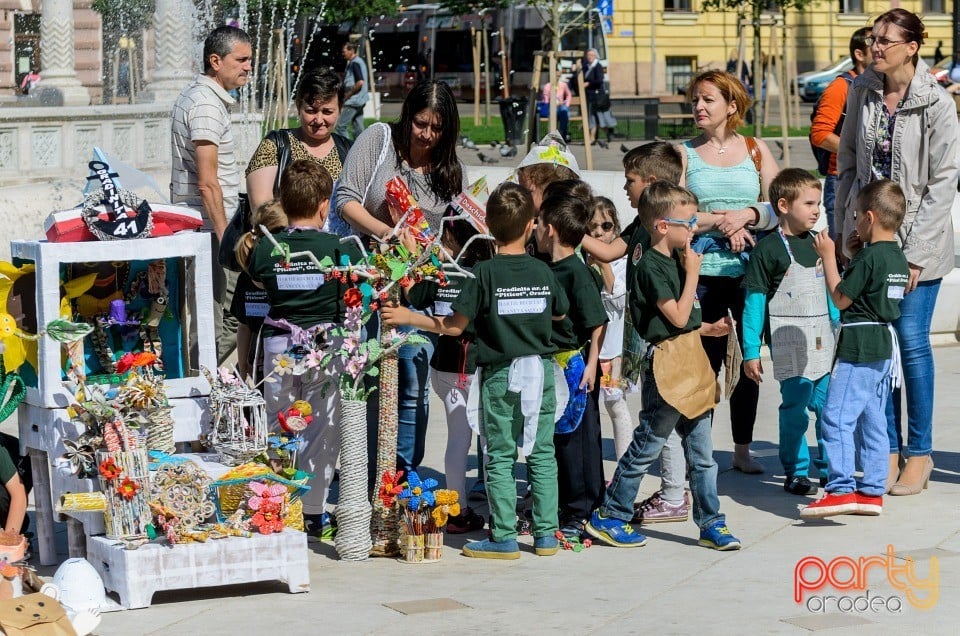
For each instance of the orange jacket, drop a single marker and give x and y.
(832, 103)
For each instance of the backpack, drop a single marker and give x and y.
(820, 154)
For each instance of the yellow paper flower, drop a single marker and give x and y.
(446, 497)
(304, 407)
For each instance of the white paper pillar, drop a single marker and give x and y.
(56, 53)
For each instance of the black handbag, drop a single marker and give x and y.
(241, 223)
(603, 101)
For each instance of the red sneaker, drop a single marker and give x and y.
(832, 504)
(868, 505)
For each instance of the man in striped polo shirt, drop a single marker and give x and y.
(205, 174)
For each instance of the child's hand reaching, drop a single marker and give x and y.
(589, 377)
(753, 370)
(824, 246)
(394, 315)
(722, 327)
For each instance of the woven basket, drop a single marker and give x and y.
(231, 489)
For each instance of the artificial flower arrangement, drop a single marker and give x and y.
(424, 511)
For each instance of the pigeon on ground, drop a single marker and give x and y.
(467, 143)
(485, 159)
(623, 148)
(508, 151)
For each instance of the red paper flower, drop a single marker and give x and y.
(144, 359)
(268, 520)
(128, 488)
(353, 297)
(391, 487)
(109, 469)
(125, 363)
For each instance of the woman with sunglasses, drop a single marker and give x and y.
(729, 173)
(901, 125)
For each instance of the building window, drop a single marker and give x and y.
(851, 6)
(934, 6)
(680, 70)
(678, 5)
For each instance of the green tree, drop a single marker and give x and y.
(754, 9)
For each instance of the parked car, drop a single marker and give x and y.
(811, 85)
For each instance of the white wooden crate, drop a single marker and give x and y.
(137, 574)
(198, 301)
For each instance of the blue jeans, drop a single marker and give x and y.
(797, 397)
(829, 200)
(350, 123)
(413, 397)
(657, 420)
(853, 425)
(913, 331)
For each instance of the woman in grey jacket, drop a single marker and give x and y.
(901, 125)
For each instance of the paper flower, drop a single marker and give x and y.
(419, 491)
(128, 488)
(268, 520)
(81, 458)
(265, 496)
(296, 419)
(283, 364)
(353, 297)
(446, 506)
(109, 469)
(390, 487)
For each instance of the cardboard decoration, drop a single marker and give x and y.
(111, 213)
(684, 376)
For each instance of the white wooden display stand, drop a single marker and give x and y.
(43, 419)
(137, 574)
(197, 299)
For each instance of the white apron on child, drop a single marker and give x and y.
(526, 378)
(896, 363)
(801, 335)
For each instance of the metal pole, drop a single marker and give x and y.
(653, 49)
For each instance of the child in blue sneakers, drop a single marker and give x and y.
(643, 165)
(512, 300)
(868, 360)
(666, 314)
(785, 281)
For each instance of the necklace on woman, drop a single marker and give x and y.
(718, 147)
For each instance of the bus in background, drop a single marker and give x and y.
(425, 41)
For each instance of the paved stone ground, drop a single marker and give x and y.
(671, 586)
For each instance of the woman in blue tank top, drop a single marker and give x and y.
(720, 167)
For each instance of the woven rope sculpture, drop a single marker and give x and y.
(353, 541)
(385, 526)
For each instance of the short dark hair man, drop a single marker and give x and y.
(355, 93)
(204, 173)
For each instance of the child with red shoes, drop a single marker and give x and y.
(868, 361)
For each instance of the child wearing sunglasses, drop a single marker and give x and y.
(666, 312)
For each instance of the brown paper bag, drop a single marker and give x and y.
(684, 376)
(34, 615)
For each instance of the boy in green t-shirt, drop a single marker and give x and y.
(512, 300)
(785, 274)
(578, 337)
(303, 304)
(666, 313)
(643, 165)
(868, 361)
